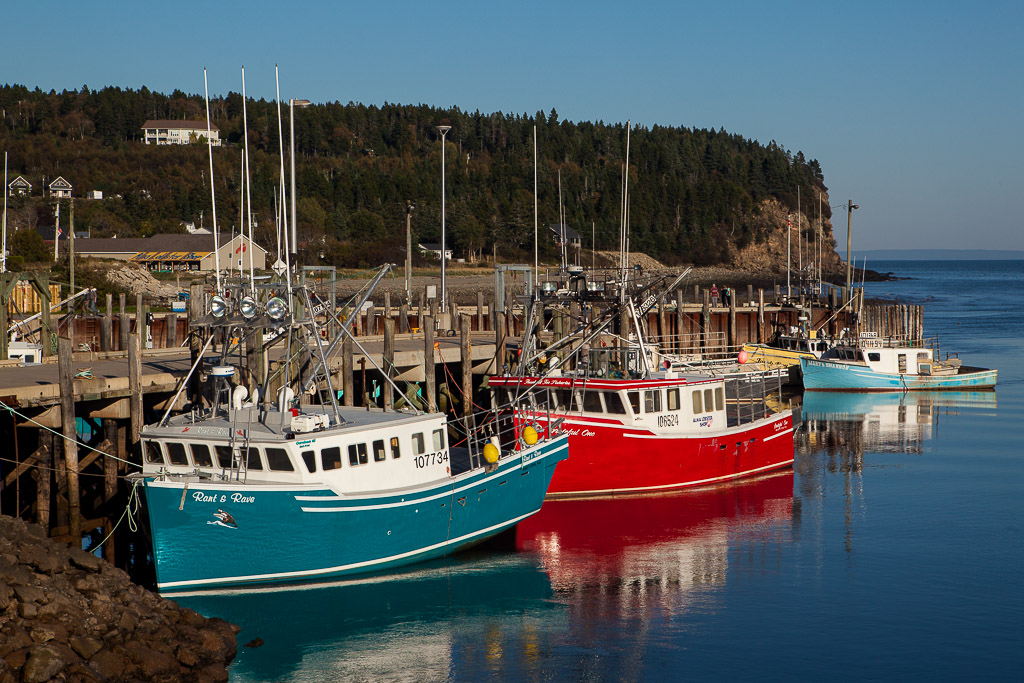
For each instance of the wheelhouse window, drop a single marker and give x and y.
(592, 402)
(254, 461)
(634, 401)
(357, 454)
(720, 398)
(330, 459)
(613, 402)
(419, 446)
(309, 458)
(176, 453)
(396, 451)
(379, 454)
(278, 460)
(438, 439)
(709, 399)
(652, 401)
(874, 356)
(698, 405)
(224, 457)
(201, 455)
(673, 399)
(153, 452)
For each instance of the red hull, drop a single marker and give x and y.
(608, 457)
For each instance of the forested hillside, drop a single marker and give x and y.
(694, 195)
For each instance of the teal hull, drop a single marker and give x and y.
(819, 375)
(286, 534)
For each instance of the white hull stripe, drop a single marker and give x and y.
(417, 501)
(344, 567)
(775, 436)
(598, 492)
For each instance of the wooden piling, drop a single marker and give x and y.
(171, 336)
(428, 363)
(389, 362)
(465, 327)
(760, 317)
(44, 472)
(135, 392)
(733, 338)
(479, 311)
(67, 416)
(348, 384)
(403, 319)
(122, 325)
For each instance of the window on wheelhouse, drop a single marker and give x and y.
(720, 398)
(330, 459)
(592, 402)
(613, 401)
(634, 401)
(254, 461)
(874, 356)
(419, 446)
(438, 439)
(176, 453)
(201, 455)
(153, 452)
(379, 454)
(709, 400)
(396, 451)
(309, 458)
(652, 401)
(673, 399)
(357, 454)
(278, 460)
(698, 406)
(224, 458)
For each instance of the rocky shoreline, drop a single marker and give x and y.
(67, 615)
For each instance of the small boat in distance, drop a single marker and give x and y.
(888, 364)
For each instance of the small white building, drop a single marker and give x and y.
(434, 249)
(94, 194)
(169, 132)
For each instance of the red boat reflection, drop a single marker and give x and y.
(680, 539)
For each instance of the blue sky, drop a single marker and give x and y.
(914, 109)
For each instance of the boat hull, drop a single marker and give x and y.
(611, 458)
(229, 534)
(821, 375)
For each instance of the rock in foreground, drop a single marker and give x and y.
(68, 615)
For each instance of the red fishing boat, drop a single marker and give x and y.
(659, 433)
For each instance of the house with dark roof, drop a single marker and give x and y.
(170, 132)
(562, 232)
(434, 249)
(177, 252)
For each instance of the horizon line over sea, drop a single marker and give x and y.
(936, 254)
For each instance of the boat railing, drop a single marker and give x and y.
(754, 398)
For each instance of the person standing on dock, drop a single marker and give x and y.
(714, 294)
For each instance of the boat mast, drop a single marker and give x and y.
(213, 195)
(248, 193)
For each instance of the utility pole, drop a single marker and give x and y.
(408, 250)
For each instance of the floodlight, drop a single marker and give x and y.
(247, 307)
(218, 306)
(277, 308)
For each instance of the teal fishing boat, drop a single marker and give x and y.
(247, 492)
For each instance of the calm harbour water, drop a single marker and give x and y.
(892, 550)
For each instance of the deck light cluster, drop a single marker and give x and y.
(276, 308)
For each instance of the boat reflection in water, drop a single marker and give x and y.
(625, 560)
(406, 626)
(879, 422)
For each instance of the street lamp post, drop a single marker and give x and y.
(444, 292)
(850, 206)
